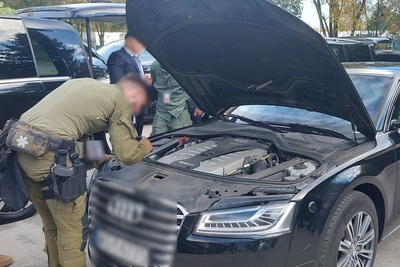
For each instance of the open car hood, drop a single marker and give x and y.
(232, 52)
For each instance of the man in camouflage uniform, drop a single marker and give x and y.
(171, 108)
(77, 107)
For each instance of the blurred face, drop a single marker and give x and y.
(134, 45)
(135, 95)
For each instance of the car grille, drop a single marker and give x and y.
(181, 212)
(155, 230)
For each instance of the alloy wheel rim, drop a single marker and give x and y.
(10, 211)
(357, 246)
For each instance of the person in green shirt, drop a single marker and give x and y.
(171, 108)
(75, 108)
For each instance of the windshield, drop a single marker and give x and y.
(106, 50)
(372, 90)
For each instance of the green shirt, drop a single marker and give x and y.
(171, 97)
(82, 106)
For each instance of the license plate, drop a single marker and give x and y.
(122, 249)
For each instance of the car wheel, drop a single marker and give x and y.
(8, 215)
(352, 235)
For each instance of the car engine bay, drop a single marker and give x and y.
(236, 157)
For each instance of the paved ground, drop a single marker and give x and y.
(25, 242)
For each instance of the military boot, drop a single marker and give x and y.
(5, 260)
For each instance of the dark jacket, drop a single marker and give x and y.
(120, 63)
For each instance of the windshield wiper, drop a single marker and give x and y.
(316, 130)
(254, 122)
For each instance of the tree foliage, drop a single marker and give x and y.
(5, 10)
(374, 16)
(343, 15)
(293, 6)
(384, 16)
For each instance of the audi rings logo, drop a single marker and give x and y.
(125, 209)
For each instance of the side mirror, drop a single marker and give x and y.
(395, 123)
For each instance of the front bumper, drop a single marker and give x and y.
(267, 252)
(209, 251)
(197, 251)
(191, 250)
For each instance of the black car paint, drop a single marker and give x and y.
(371, 167)
(18, 94)
(374, 173)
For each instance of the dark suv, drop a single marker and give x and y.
(35, 58)
(350, 50)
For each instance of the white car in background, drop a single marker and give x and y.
(146, 58)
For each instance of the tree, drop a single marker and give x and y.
(384, 16)
(293, 6)
(5, 10)
(343, 15)
(322, 20)
(100, 28)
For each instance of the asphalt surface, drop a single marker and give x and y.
(24, 241)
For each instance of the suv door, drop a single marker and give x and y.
(20, 87)
(58, 52)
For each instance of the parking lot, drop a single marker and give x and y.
(275, 133)
(25, 242)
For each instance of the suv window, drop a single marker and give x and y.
(65, 46)
(48, 61)
(358, 53)
(16, 59)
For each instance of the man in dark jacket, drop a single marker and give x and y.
(126, 61)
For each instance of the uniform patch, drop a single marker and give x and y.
(22, 141)
(117, 116)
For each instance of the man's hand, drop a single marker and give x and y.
(102, 161)
(146, 145)
(148, 80)
(198, 112)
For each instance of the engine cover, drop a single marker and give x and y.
(219, 156)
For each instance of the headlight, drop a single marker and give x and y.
(255, 221)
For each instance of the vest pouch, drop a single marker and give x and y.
(27, 139)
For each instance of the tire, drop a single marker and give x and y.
(338, 247)
(8, 215)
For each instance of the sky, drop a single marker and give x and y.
(309, 14)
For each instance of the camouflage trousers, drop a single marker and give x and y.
(164, 121)
(65, 225)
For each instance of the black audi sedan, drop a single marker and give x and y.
(299, 166)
